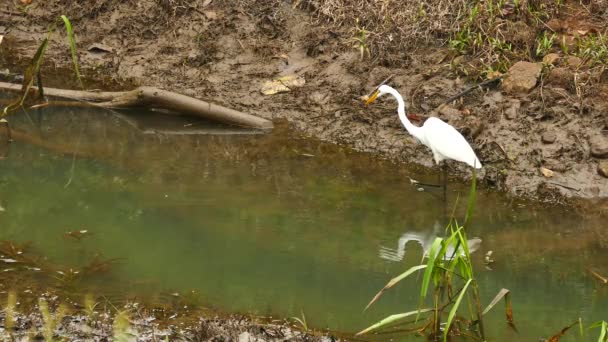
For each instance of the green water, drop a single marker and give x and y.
(275, 224)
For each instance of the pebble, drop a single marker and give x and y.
(599, 146)
(602, 168)
(548, 138)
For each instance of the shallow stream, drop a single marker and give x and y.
(272, 224)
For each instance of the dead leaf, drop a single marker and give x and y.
(206, 3)
(282, 84)
(26, 2)
(1, 38)
(559, 335)
(546, 172)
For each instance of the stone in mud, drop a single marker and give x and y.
(599, 146)
(574, 62)
(561, 77)
(550, 59)
(522, 77)
(513, 109)
(602, 168)
(548, 137)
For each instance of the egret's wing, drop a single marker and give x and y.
(448, 142)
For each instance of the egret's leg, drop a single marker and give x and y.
(445, 186)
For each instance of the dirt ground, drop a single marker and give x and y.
(224, 52)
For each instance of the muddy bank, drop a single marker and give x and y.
(225, 51)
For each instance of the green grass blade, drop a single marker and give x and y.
(391, 319)
(72, 42)
(454, 309)
(429, 268)
(394, 281)
(603, 330)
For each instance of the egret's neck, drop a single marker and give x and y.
(413, 130)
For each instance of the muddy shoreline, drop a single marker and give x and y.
(224, 53)
(135, 322)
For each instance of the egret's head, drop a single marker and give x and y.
(381, 90)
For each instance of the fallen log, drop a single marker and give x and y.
(154, 98)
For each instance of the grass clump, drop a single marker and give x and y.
(593, 47)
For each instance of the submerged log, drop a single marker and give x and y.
(155, 98)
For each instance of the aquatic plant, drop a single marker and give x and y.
(449, 276)
(32, 72)
(603, 327)
(50, 321)
(301, 321)
(9, 310)
(121, 326)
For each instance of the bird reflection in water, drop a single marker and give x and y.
(425, 240)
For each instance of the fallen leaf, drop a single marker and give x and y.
(546, 172)
(1, 38)
(100, 48)
(282, 84)
(26, 2)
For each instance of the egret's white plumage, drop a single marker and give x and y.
(444, 140)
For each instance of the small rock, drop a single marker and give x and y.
(602, 168)
(561, 77)
(599, 146)
(550, 59)
(546, 172)
(548, 137)
(522, 77)
(244, 337)
(574, 61)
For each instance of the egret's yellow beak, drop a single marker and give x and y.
(373, 97)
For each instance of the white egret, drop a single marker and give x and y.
(444, 140)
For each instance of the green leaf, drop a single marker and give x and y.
(392, 319)
(429, 268)
(454, 309)
(72, 42)
(394, 281)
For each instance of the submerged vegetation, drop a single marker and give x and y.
(450, 281)
(449, 277)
